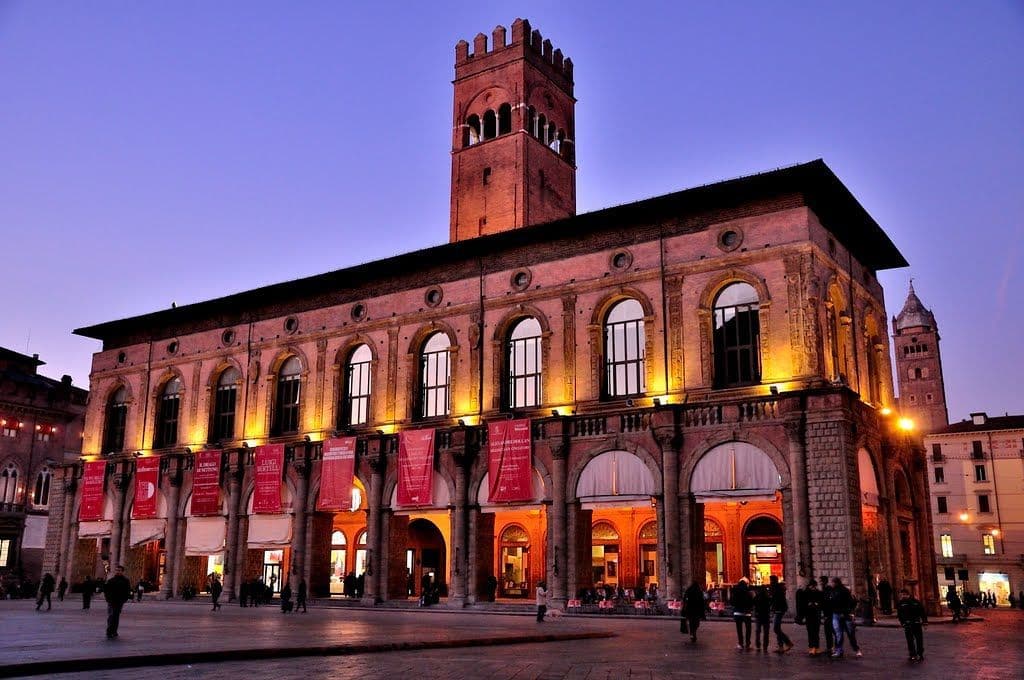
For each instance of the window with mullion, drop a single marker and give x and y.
(435, 371)
(117, 416)
(225, 403)
(167, 421)
(524, 378)
(287, 411)
(737, 334)
(624, 347)
(356, 404)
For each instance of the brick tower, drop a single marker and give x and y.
(513, 154)
(919, 365)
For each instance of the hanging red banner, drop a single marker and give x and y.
(336, 472)
(91, 507)
(147, 478)
(415, 467)
(206, 484)
(509, 461)
(269, 468)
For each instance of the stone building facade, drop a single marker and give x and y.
(41, 423)
(704, 373)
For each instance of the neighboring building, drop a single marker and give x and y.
(976, 471)
(919, 366)
(705, 374)
(41, 423)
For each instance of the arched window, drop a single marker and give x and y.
(116, 417)
(168, 407)
(504, 119)
(531, 121)
(737, 336)
(225, 400)
(471, 132)
(875, 349)
(355, 403)
(542, 128)
(435, 377)
(490, 125)
(41, 493)
(624, 350)
(524, 364)
(8, 483)
(286, 405)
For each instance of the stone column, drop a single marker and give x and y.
(232, 579)
(558, 567)
(800, 521)
(66, 552)
(173, 477)
(377, 458)
(670, 442)
(121, 481)
(460, 544)
(472, 545)
(301, 466)
(572, 553)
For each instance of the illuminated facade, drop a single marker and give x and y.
(704, 373)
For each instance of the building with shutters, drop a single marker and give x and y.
(705, 376)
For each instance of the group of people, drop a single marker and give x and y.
(603, 592)
(300, 598)
(352, 585)
(255, 592)
(829, 606)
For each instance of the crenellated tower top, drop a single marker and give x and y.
(526, 43)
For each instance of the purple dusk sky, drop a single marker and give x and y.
(159, 152)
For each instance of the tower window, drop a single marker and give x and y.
(487, 176)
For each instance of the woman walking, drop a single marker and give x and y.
(693, 608)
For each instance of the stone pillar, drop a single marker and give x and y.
(232, 578)
(691, 521)
(670, 442)
(301, 466)
(121, 481)
(800, 520)
(66, 554)
(460, 544)
(558, 567)
(377, 458)
(472, 546)
(572, 557)
(173, 550)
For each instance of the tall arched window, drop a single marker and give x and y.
(8, 483)
(286, 403)
(737, 336)
(41, 492)
(168, 407)
(116, 417)
(355, 402)
(490, 125)
(504, 119)
(435, 377)
(471, 133)
(624, 350)
(875, 349)
(225, 401)
(524, 364)
(832, 329)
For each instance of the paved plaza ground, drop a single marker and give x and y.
(438, 643)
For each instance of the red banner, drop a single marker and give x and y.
(269, 472)
(415, 467)
(147, 478)
(509, 461)
(206, 484)
(339, 464)
(91, 508)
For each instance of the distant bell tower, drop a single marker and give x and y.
(513, 152)
(919, 365)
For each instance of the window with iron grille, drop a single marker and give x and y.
(355, 405)
(937, 452)
(940, 476)
(117, 416)
(286, 404)
(225, 402)
(737, 336)
(435, 377)
(167, 415)
(625, 349)
(524, 365)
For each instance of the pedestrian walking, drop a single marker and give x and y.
(826, 615)
(117, 590)
(777, 591)
(215, 590)
(542, 600)
(843, 606)
(762, 618)
(62, 588)
(300, 598)
(243, 594)
(693, 608)
(885, 596)
(87, 590)
(912, 617)
(811, 616)
(286, 598)
(742, 603)
(954, 603)
(46, 587)
(140, 590)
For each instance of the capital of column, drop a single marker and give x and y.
(794, 428)
(668, 437)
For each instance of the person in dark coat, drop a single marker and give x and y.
(46, 587)
(87, 589)
(243, 594)
(763, 618)
(215, 590)
(286, 598)
(117, 590)
(885, 596)
(826, 615)
(349, 584)
(742, 603)
(811, 616)
(693, 608)
(843, 606)
(779, 608)
(360, 584)
(62, 588)
(912, 617)
(955, 605)
(300, 597)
